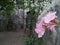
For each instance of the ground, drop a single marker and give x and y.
(11, 38)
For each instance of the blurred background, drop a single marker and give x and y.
(18, 19)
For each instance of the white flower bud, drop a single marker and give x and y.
(32, 5)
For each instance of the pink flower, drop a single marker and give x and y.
(46, 22)
(50, 16)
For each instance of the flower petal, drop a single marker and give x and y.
(50, 16)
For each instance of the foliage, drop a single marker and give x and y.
(34, 7)
(6, 10)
